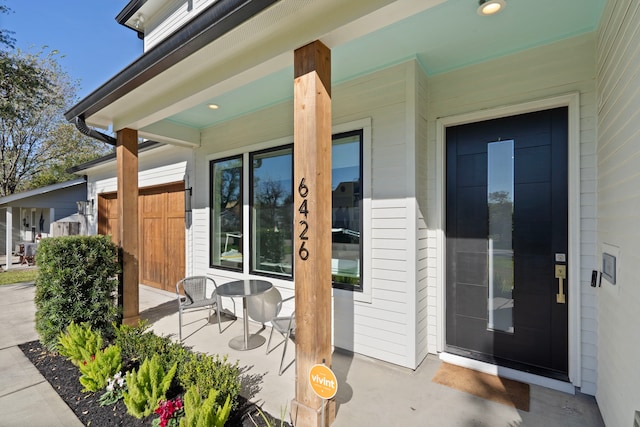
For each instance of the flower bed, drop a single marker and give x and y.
(64, 378)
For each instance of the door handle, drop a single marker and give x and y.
(561, 274)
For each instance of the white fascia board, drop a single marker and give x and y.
(171, 133)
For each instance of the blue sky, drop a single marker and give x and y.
(94, 45)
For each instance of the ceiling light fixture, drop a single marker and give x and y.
(213, 106)
(490, 7)
(139, 22)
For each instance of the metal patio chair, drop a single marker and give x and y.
(192, 295)
(266, 308)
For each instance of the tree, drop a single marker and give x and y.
(37, 145)
(67, 148)
(5, 35)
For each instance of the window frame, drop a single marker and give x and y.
(362, 127)
(345, 286)
(212, 211)
(252, 213)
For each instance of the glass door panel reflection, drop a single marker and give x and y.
(500, 198)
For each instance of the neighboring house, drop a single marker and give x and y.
(34, 211)
(483, 168)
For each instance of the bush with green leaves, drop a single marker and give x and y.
(77, 282)
(204, 372)
(204, 413)
(99, 367)
(77, 338)
(138, 343)
(146, 387)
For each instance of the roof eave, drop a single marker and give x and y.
(220, 18)
(42, 190)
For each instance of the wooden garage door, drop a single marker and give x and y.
(161, 228)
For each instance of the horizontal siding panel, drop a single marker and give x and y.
(618, 154)
(390, 244)
(389, 223)
(395, 255)
(381, 212)
(381, 295)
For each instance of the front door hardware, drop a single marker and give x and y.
(561, 274)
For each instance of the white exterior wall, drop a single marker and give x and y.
(424, 260)
(381, 322)
(538, 73)
(171, 17)
(618, 155)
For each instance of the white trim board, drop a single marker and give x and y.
(572, 101)
(509, 373)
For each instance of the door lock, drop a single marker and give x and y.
(561, 274)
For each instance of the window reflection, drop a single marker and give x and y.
(272, 201)
(346, 179)
(500, 198)
(226, 222)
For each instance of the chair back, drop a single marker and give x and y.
(195, 287)
(264, 307)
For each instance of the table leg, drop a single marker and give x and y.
(246, 341)
(245, 319)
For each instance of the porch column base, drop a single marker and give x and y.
(305, 416)
(131, 320)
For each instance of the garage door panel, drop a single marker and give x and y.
(152, 254)
(175, 250)
(161, 232)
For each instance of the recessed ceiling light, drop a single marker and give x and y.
(490, 7)
(213, 106)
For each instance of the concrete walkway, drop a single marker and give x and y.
(370, 392)
(26, 398)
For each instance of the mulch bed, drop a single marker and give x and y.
(63, 377)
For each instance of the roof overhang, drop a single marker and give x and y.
(42, 190)
(232, 43)
(218, 19)
(240, 53)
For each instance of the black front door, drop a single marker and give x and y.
(506, 228)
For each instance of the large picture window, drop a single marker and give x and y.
(226, 213)
(270, 201)
(346, 186)
(271, 207)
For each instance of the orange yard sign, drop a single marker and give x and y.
(323, 381)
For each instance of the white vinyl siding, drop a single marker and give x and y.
(547, 71)
(423, 314)
(618, 178)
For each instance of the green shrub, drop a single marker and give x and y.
(98, 367)
(78, 338)
(76, 283)
(203, 372)
(207, 413)
(137, 344)
(147, 387)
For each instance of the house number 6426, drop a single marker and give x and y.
(303, 191)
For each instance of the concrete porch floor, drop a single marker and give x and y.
(370, 392)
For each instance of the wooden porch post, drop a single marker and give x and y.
(312, 225)
(127, 164)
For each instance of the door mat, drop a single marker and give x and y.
(487, 386)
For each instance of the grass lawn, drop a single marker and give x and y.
(18, 276)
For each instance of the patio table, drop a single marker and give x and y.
(244, 289)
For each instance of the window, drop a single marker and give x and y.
(272, 211)
(346, 182)
(270, 203)
(226, 213)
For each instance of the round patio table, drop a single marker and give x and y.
(243, 289)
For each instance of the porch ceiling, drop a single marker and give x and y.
(251, 67)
